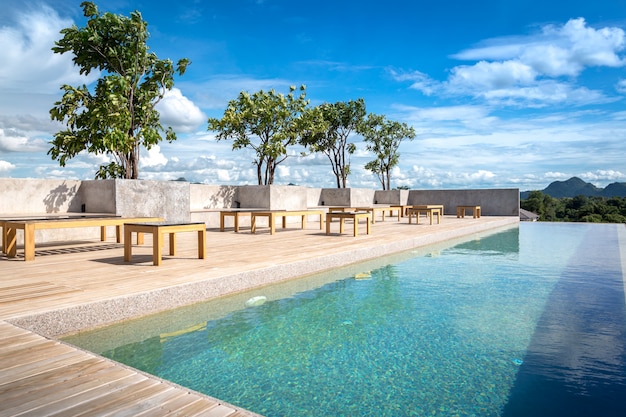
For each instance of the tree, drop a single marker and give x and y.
(267, 122)
(119, 115)
(383, 137)
(330, 126)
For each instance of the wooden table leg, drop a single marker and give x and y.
(172, 244)
(237, 222)
(341, 225)
(328, 222)
(29, 242)
(10, 244)
(202, 244)
(272, 223)
(128, 244)
(252, 223)
(221, 222)
(369, 225)
(157, 250)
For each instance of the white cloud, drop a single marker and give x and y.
(621, 86)
(12, 140)
(535, 70)
(215, 93)
(179, 112)
(544, 93)
(420, 81)
(5, 167)
(602, 175)
(28, 63)
(153, 157)
(557, 176)
(556, 50)
(491, 75)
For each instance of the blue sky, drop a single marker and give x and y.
(501, 93)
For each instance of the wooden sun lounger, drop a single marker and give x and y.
(9, 230)
(272, 214)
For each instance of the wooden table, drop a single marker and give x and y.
(429, 209)
(354, 215)
(9, 230)
(158, 230)
(460, 211)
(235, 214)
(272, 214)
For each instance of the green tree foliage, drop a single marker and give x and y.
(328, 129)
(119, 116)
(383, 137)
(266, 122)
(577, 209)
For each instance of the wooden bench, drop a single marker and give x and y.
(158, 230)
(400, 208)
(43, 216)
(235, 214)
(374, 210)
(354, 215)
(430, 210)
(10, 227)
(460, 211)
(332, 209)
(272, 214)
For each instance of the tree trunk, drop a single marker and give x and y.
(258, 173)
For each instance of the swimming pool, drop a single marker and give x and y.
(528, 321)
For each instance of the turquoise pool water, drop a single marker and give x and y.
(525, 321)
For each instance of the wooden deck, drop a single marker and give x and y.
(87, 283)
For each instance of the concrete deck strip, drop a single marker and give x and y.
(77, 285)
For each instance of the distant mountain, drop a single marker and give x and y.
(575, 186)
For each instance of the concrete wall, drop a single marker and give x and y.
(39, 196)
(183, 202)
(313, 197)
(394, 197)
(335, 197)
(98, 196)
(347, 197)
(167, 199)
(272, 197)
(492, 202)
(207, 197)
